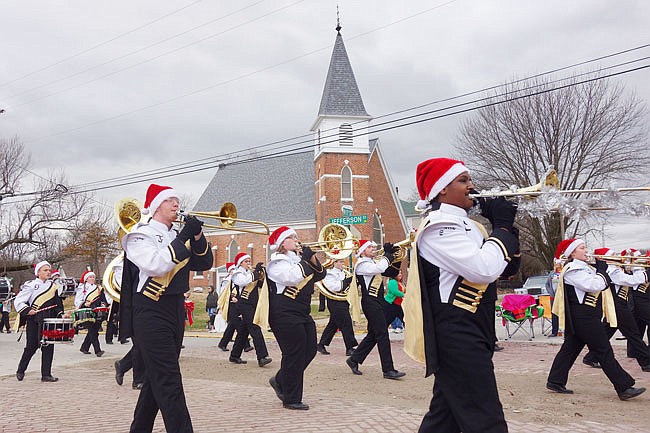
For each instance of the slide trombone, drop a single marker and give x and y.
(227, 217)
(627, 261)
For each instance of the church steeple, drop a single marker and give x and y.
(342, 117)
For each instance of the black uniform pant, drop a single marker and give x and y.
(589, 331)
(92, 337)
(377, 335)
(158, 334)
(5, 322)
(393, 311)
(297, 343)
(246, 328)
(33, 331)
(339, 319)
(642, 313)
(626, 323)
(132, 359)
(465, 395)
(111, 331)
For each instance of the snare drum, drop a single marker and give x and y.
(101, 313)
(57, 331)
(84, 318)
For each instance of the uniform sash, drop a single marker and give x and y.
(224, 300)
(261, 317)
(354, 299)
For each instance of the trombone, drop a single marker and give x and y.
(627, 261)
(227, 217)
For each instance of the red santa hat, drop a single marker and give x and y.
(566, 247)
(229, 266)
(432, 175)
(363, 245)
(603, 252)
(39, 265)
(55, 273)
(630, 252)
(239, 258)
(156, 194)
(279, 235)
(85, 276)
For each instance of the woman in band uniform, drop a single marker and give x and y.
(90, 295)
(291, 281)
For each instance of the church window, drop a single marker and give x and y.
(346, 183)
(377, 230)
(345, 134)
(233, 250)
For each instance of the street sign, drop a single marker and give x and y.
(346, 210)
(349, 220)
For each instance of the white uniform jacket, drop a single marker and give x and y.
(241, 278)
(28, 293)
(284, 270)
(622, 279)
(147, 246)
(334, 280)
(453, 243)
(584, 279)
(368, 268)
(83, 291)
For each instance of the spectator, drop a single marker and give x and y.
(211, 307)
(393, 308)
(551, 288)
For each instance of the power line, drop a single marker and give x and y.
(94, 47)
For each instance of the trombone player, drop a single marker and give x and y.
(336, 284)
(157, 262)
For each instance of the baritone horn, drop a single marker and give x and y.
(335, 240)
(336, 296)
(227, 217)
(403, 247)
(112, 278)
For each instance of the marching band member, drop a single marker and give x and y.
(291, 281)
(247, 283)
(157, 262)
(449, 310)
(368, 274)
(229, 311)
(38, 299)
(581, 300)
(337, 281)
(90, 295)
(621, 282)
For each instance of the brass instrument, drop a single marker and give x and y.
(112, 278)
(335, 240)
(403, 246)
(627, 261)
(551, 181)
(227, 217)
(336, 296)
(128, 214)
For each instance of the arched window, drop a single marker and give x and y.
(377, 230)
(233, 250)
(346, 183)
(345, 134)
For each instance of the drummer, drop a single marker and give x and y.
(89, 296)
(38, 299)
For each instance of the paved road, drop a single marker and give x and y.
(86, 387)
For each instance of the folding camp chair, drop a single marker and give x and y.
(547, 318)
(519, 310)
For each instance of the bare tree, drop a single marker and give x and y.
(30, 216)
(591, 133)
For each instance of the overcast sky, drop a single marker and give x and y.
(254, 73)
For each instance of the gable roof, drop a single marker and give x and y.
(272, 190)
(341, 96)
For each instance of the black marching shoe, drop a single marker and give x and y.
(137, 385)
(237, 360)
(354, 366)
(322, 350)
(645, 368)
(560, 389)
(55, 379)
(296, 406)
(100, 353)
(119, 374)
(276, 387)
(349, 352)
(264, 361)
(223, 348)
(498, 348)
(20, 376)
(85, 352)
(393, 374)
(631, 392)
(248, 349)
(593, 364)
(109, 342)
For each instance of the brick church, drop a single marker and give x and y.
(345, 174)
